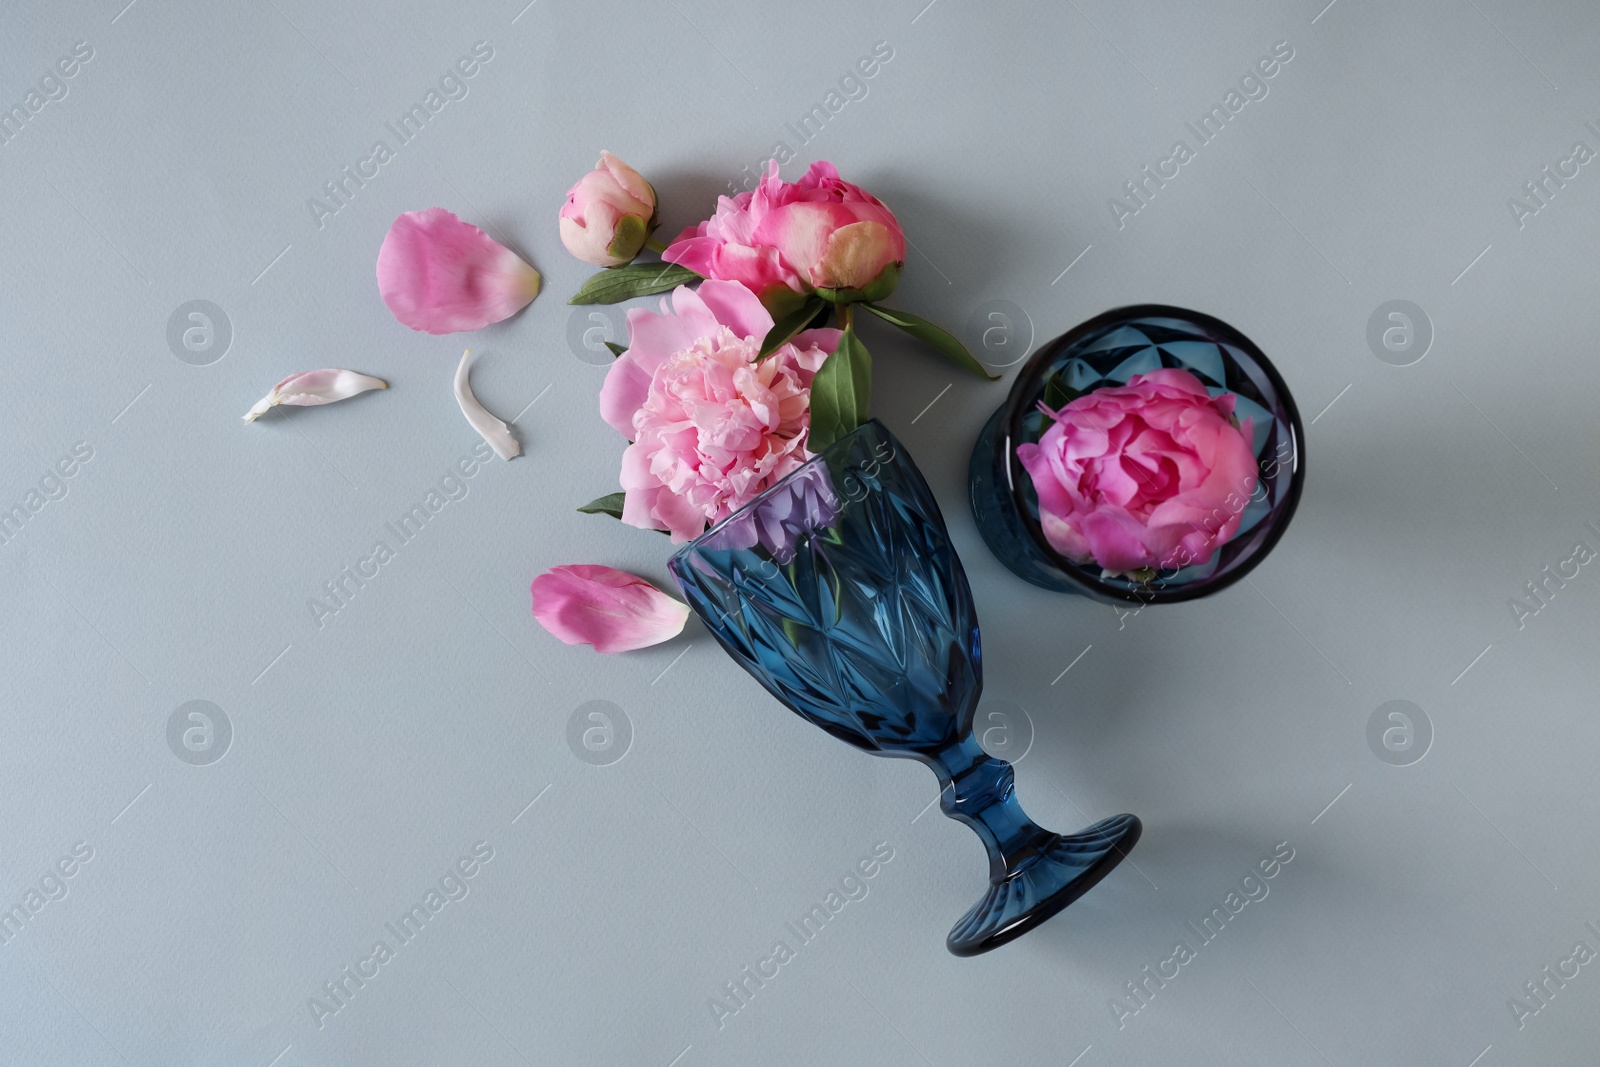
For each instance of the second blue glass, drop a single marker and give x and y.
(1108, 350)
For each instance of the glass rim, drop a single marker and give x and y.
(1012, 411)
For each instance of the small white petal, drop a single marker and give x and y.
(491, 429)
(313, 387)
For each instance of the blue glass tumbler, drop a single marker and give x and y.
(839, 591)
(1108, 350)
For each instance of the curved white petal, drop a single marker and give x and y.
(491, 429)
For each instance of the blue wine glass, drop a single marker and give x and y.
(839, 590)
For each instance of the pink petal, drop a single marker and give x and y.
(635, 473)
(1064, 537)
(624, 391)
(857, 253)
(638, 506)
(693, 249)
(652, 337)
(801, 231)
(632, 181)
(1114, 539)
(439, 275)
(818, 174)
(1050, 478)
(737, 308)
(693, 312)
(810, 349)
(720, 254)
(1172, 378)
(823, 337)
(610, 609)
(679, 516)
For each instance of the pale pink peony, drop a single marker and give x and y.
(1151, 474)
(787, 239)
(438, 274)
(608, 214)
(612, 610)
(711, 426)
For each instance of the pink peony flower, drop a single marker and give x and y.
(711, 425)
(787, 239)
(1149, 474)
(608, 214)
(604, 607)
(441, 275)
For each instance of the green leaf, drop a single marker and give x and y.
(939, 339)
(610, 504)
(841, 393)
(1058, 394)
(616, 284)
(791, 324)
(616, 349)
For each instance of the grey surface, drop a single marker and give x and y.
(369, 755)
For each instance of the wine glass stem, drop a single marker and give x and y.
(977, 789)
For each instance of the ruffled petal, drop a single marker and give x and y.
(736, 307)
(1130, 474)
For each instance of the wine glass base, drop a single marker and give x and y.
(1063, 871)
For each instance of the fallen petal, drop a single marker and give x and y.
(610, 609)
(313, 387)
(491, 429)
(438, 274)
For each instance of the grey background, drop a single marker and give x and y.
(367, 756)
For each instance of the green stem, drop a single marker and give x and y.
(655, 244)
(843, 311)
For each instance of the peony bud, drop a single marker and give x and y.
(608, 214)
